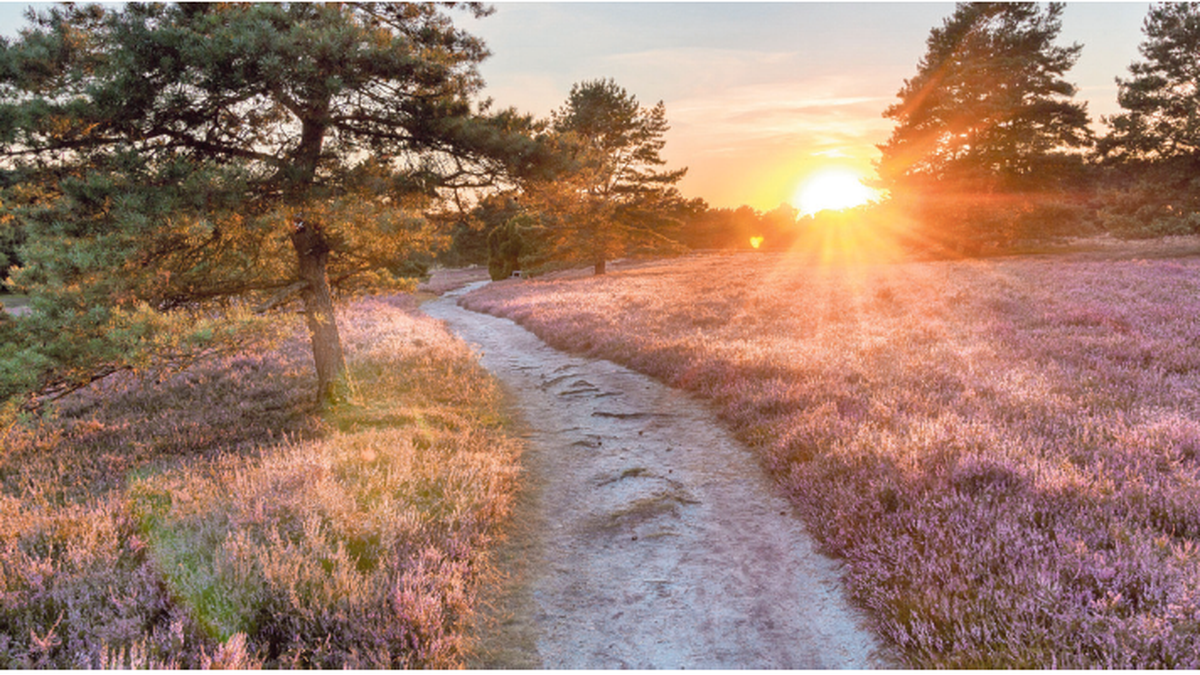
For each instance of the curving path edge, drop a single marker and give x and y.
(650, 538)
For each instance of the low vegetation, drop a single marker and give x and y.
(1004, 453)
(11, 301)
(212, 519)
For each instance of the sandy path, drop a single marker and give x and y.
(650, 537)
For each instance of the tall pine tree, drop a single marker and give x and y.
(1152, 150)
(176, 155)
(1161, 99)
(988, 117)
(609, 195)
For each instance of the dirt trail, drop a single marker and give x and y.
(650, 538)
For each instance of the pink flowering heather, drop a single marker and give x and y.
(212, 519)
(1005, 453)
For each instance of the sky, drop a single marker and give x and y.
(761, 97)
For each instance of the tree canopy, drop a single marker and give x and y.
(988, 115)
(1161, 98)
(1151, 153)
(989, 102)
(168, 156)
(608, 195)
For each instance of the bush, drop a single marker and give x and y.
(1054, 218)
(508, 245)
(1150, 208)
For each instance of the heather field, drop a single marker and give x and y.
(1005, 453)
(214, 520)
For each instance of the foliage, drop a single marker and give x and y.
(470, 231)
(1138, 205)
(1004, 454)
(987, 122)
(1061, 217)
(210, 520)
(508, 245)
(1161, 97)
(12, 236)
(184, 154)
(724, 228)
(59, 348)
(1154, 145)
(606, 196)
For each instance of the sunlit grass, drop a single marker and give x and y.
(1004, 453)
(213, 520)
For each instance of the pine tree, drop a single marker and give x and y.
(180, 155)
(1151, 152)
(1161, 124)
(987, 116)
(608, 196)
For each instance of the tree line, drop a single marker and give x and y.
(989, 146)
(989, 149)
(170, 174)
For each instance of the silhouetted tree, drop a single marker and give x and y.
(725, 228)
(470, 231)
(1154, 145)
(1162, 98)
(188, 153)
(710, 228)
(608, 197)
(988, 119)
(779, 226)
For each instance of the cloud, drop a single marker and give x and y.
(752, 143)
(747, 122)
(687, 71)
(822, 115)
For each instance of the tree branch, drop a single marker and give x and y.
(283, 296)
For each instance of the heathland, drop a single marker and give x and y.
(1003, 452)
(214, 519)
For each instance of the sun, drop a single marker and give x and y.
(831, 189)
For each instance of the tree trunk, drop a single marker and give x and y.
(600, 266)
(312, 252)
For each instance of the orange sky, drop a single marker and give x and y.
(760, 95)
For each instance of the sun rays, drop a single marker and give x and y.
(831, 190)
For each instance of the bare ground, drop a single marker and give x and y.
(647, 537)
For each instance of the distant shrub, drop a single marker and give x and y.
(971, 227)
(509, 245)
(1151, 223)
(1055, 218)
(1147, 209)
